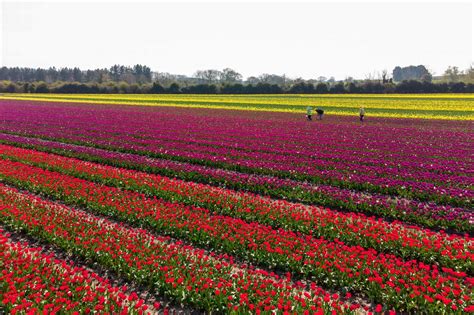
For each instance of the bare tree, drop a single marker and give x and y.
(384, 76)
(252, 80)
(208, 76)
(469, 74)
(272, 79)
(229, 76)
(370, 76)
(452, 74)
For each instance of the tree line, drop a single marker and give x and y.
(117, 73)
(139, 79)
(411, 86)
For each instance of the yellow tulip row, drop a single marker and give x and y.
(435, 106)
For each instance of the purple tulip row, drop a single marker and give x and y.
(388, 156)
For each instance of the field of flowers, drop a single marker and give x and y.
(152, 209)
(439, 106)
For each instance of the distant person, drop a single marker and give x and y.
(361, 114)
(309, 113)
(320, 113)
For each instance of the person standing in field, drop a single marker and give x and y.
(320, 112)
(361, 114)
(309, 113)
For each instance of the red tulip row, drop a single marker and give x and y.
(32, 282)
(386, 279)
(356, 229)
(185, 274)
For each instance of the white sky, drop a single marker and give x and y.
(305, 39)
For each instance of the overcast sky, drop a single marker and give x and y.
(305, 39)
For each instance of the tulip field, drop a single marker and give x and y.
(434, 106)
(107, 208)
